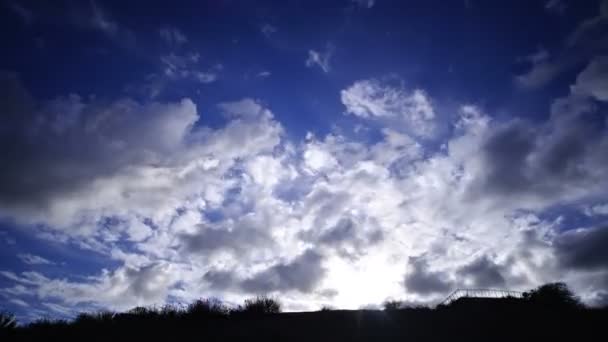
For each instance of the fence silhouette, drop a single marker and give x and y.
(480, 293)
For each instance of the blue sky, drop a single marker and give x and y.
(160, 152)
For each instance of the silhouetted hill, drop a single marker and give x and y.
(364, 325)
(480, 319)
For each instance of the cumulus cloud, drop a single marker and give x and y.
(541, 73)
(72, 163)
(583, 43)
(482, 273)
(121, 289)
(183, 209)
(237, 240)
(375, 99)
(69, 149)
(420, 279)
(560, 159)
(583, 249)
(593, 80)
(302, 274)
(597, 209)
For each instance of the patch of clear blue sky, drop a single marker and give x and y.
(457, 52)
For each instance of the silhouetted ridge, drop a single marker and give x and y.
(548, 312)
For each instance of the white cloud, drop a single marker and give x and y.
(19, 302)
(121, 289)
(177, 67)
(320, 58)
(597, 209)
(583, 43)
(593, 81)
(32, 259)
(541, 72)
(236, 209)
(375, 99)
(264, 74)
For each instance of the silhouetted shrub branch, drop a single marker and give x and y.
(261, 305)
(7, 321)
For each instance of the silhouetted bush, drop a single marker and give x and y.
(142, 312)
(260, 305)
(170, 311)
(391, 305)
(326, 308)
(207, 308)
(7, 321)
(554, 295)
(474, 319)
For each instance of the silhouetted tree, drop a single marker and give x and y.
(555, 295)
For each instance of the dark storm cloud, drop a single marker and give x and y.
(348, 236)
(555, 159)
(302, 274)
(505, 153)
(347, 229)
(143, 282)
(31, 164)
(220, 280)
(329, 293)
(601, 299)
(583, 249)
(57, 148)
(483, 272)
(238, 240)
(419, 279)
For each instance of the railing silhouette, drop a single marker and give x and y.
(480, 293)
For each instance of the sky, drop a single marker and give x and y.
(327, 153)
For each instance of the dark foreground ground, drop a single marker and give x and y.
(482, 321)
